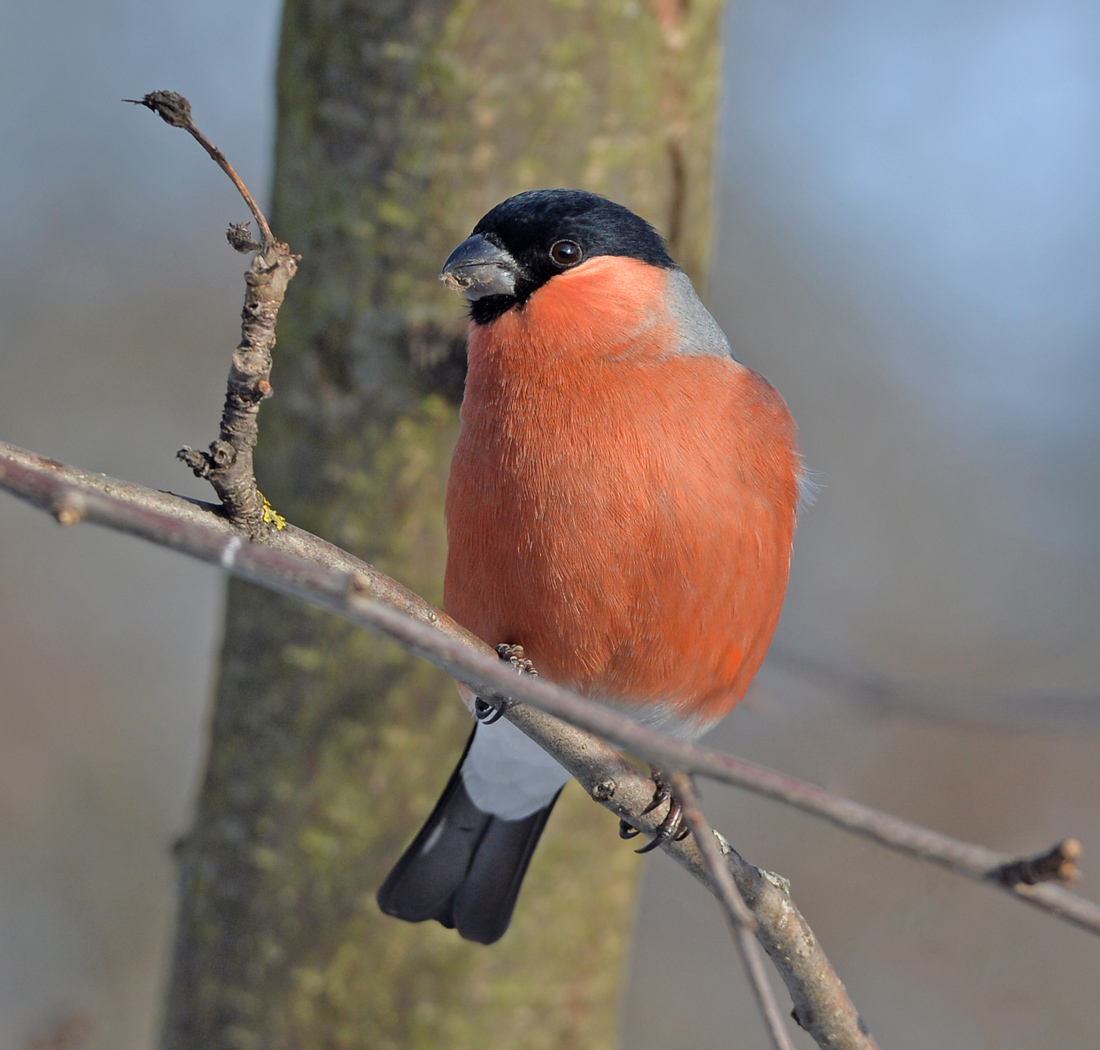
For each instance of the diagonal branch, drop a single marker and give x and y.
(295, 562)
(739, 918)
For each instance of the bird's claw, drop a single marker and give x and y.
(626, 831)
(487, 712)
(671, 828)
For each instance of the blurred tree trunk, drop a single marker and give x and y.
(400, 122)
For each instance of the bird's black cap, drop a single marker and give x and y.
(546, 232)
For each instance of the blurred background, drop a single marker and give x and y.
(907, 246)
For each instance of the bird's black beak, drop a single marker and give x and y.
(478, 268)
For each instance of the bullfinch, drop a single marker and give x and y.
(621, 505)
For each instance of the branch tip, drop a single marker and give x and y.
(174, 109)
(170, 106)
(197, 461)
(1057, 864)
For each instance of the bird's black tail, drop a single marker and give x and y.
(465, 866)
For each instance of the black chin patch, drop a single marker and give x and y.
(489, 308)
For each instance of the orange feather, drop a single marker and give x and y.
(621, 508)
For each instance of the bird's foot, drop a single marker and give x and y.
(487, 712)
(671, 828)
(515, 655)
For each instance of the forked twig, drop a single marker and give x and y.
(227, 464)
(740, 920)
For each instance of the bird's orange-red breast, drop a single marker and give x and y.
(621, 508)
(621, 503)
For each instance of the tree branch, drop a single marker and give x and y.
(295, 562)
(228, 463)
(298, 563)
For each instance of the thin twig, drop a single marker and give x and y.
(822, 1006)
(227, 465)
(174, 109)
(295, 562)
(736, 910)
(878, 692)
(742, 923)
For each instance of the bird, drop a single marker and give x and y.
(620, 512)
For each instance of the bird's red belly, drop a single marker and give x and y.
(634, 538)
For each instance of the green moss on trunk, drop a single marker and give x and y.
(400, 123)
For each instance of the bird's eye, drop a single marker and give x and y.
(566, 253)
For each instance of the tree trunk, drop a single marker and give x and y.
(400, 122)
